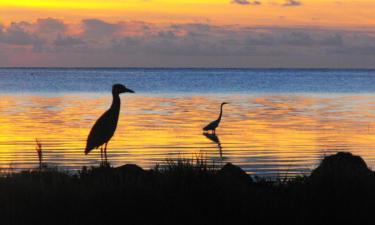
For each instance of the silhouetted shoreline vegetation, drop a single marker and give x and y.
(340, 191)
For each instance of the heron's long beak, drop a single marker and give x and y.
(129, 90)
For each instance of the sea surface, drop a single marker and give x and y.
(279, 122)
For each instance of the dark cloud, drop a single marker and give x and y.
(136, 43)
(127, 45)
(49, 25)
(290, 3)
(136, 27)
(359, 51)
(97, 28)
(261, 40)
(67, 41)
(17, 34)
(246, 2)
(295, 38)
(192, 27)
(299, 39)
(167, 34)
(333, 40)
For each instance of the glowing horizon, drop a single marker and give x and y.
(222, 12)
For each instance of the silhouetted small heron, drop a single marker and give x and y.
(214, 124)
(104, 128)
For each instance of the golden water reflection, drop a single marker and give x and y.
(265, 134)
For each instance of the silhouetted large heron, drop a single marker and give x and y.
(214, 124)
(104, 128)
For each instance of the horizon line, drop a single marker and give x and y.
(186, 68)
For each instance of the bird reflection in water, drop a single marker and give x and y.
(214, 138)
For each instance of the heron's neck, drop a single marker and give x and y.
(116, 102)
(221, 112)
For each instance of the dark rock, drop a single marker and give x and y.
(131, 169)
(235, 174)
(342, 167)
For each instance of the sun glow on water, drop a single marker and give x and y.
(264, 134)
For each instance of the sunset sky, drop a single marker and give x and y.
(194, 33)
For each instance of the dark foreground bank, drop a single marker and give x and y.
(340, 191)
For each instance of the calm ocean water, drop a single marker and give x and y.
(278, 121)
(188, 81)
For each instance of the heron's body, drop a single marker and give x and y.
(105, 127)
(214, 124)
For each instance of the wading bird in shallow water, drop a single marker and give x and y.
(104, 128)
(214, 124)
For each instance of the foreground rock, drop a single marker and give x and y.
(234, 174)
(341, 167)
(131, 169)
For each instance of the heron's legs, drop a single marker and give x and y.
(105, 152)
(221, 153)
(101, 154)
